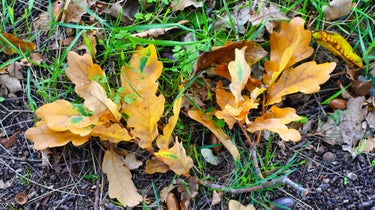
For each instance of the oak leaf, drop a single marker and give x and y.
(176, 159)
(275, 120)
(182, 4)
(207, 121)
(235, 205)
(16, 42)
(114, 133)
(338, 45)
(119, 177)
(337, 9)
(305, 78)
(156, 166)
(43, 137)
(288, 47)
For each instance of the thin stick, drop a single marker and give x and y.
(267, 184)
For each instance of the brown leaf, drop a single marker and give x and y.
(305, 78)
(235, 205)
(288, 47)
(11, 84)
(132, 162)
(225, 54)
(275, 120)
(205, 120)
(18, 43)
(43, 137)
(366, 145)
(73, 11)
(156, 166)
(10, 141)
(266, 13)
(337, 9)
(89, 44)
(119, 178)
(361, 88)
(176, 159)
(182, 4)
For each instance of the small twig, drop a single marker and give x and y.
(97, 189)
(267, 184)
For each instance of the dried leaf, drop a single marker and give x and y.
(361, 88)
(115, 133)
(155, 32)
(164, 140)
(305, 78)
(205, 120)
(337, 9)
(338, 45)
(119, 177)
(43, 137)
(288, 47)
(10, 141)
(209, 156)
(5, 185)
(276, 121)
(73, 11)
(267, 13)
(10, 83)
(89, 44)
(132, 162)
(216, 197)
(182, 4)
(176, 159)
(18, 43)
(156, 166)
(239, 15)
(366, 145)
(235, 205)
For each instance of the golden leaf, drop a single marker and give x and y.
(18, 43)
(119, 178)
(43, 137)
(176, 159)
(205, 120)
(338, 45)
(275, 121)
(305, 78)
(156, 166)
(114, 133)
(288, 47)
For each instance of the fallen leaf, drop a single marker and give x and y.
(188, 193)
(268, 16)
(58, 9)
(239, 15)
(275, 120)
(119, 177)
(5, 185)
(43, 137)
(155, 32)
(366, 145)
(205, 120)
(209, 156)
(156, 166)
(216, 197)
(73, 11)
(370, 119)
(337, 9)
(361, 88)
(11, 84)
(132, 162)
(18, 43)
(182, 4)
(114, 133)
(176, 159)
(240, 72)
(305, 78)
(89, 44)
(10, 141)
(338, 45)
(288, 47)
(235, 205)
(126, 12)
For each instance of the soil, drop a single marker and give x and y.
(71, 178)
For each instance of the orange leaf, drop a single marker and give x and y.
(115, 133)
(155, 166)
(144, 115)
(205, 120)
(142, 72)
(275, 121)
(43, 137)
(288, 47)
(18, 43)
(338, 45)
(305, 78)
(119, 179)
(176, 159)
(164, 140)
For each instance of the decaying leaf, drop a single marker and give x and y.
(205, 120)
(337, 9)
(209, 156)
(366, 145)
(119, 177)
(338, 45)
(176, 159)
(268, 16)
(235, 205)
(276, 121)
(305, 78)
(18, 43)
(156, 166)
(182, 4)
(239, 15)
(155, 32)
(73, 11)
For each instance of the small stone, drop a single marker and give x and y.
(329, 157)
(283, 202)
(326, 181)
(319, 190)
(321, 150)
(352, 176)
(53, 177)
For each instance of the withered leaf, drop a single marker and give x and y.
(337, 9)
(182, 4)
(17, 42)
(156, 166)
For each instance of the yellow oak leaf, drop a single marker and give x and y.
(142, 72)
(305, 78)
(119, 177)
(61, 115)
(156, 166)
(207, 121)
(164, 140)
(338, 45)
(114, 133)
(43, 137)
(288, 47)
(18, 43)
(144, 115)
(176, 159)
(275, 120)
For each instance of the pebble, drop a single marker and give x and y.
(284, 202)
(329, 157)
(326, 181)
(321, 150)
